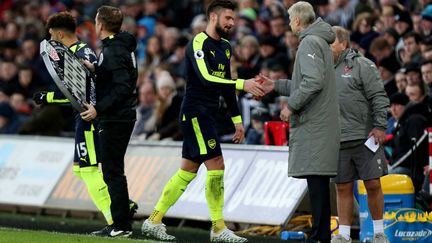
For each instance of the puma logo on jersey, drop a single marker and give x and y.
(213, 53)
(313, 55)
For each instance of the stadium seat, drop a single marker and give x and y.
(276, 133)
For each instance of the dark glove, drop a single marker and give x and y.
(40, 98)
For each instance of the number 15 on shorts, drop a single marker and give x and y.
(81, 149)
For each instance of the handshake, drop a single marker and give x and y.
(262, 85)
(259, 86)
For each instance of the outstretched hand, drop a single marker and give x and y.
(267, 83)
(253, 87)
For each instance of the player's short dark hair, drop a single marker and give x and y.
(111, 18)
(62, 20)
(216, 5)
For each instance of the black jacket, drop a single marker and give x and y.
(116, 78)
(410, 129)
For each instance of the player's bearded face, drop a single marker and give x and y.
(222, 31)
(225, 23)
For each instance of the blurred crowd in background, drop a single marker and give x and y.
(396, 35)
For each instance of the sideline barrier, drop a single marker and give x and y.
(30, 167)
(257, 189)
(147, 170)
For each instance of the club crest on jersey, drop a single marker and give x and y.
(100, 59)
(199, 54)
(347, 69)
(347, 72)
(228, 53)
(211, 143)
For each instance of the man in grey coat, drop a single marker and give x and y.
(313, 113)
(363, 114)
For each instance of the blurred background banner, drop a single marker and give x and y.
(30, 168)
(266, 195)
(40, 174)
(193, 202)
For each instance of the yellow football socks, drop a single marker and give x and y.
(156, 217)
(215, 198)
(218, 225)
(98, 190)
(171, 193)
(76, 171)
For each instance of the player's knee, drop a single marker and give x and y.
(189, 166)
(344, 188)
(373, 186)
(216, 163)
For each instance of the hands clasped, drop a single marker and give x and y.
(258, 86)
(266, 86)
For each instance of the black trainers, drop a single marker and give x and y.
(133, 207)
(111, 231)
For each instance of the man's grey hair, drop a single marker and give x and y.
(304, 11)
(342, 35)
